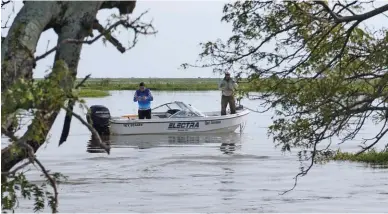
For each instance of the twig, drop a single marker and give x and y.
(378, 138)
(52, 183)
(17, 169)
(105, 33)
(358, 17)
(32, 159)
(256, 111)
(20, 141)
(77, 41)
(304, 172)
(94, 132)
(111, 39)
(83, 81)
(3, 3)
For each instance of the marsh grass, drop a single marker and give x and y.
(157, 84)
(85, 92)
(99, 87)
(370, 157)
(191, 84)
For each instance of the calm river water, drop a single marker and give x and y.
(201, 173)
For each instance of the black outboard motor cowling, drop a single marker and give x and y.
(100, 119)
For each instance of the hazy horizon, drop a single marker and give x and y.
(181, 26)
(160, 55)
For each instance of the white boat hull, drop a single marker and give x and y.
(212, 123)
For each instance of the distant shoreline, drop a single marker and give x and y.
(99, 87)
(156, 84)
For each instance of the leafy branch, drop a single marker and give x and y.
(43, 100)
(33, 159)
(321, 73)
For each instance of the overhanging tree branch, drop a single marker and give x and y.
(72, 22)
(358, 17)
(138, 28)
(309, 73)
(33, 159)
(91, 129)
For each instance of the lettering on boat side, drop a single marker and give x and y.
(102, 112)
(184, 125)
(207, 122)
(132, 124)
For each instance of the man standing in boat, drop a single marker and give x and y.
(228, 87)
(143, 97)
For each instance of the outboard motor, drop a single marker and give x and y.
(100, 119)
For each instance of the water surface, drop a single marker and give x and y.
(201, 173)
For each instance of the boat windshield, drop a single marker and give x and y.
(196, 111)
(179, 110)
(187, 111)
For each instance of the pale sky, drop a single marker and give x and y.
(181, 26)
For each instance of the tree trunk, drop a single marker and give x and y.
(18, 48)
(70, 20)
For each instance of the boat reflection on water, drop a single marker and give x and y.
(227, 142)
(94, 147)
(229, 148)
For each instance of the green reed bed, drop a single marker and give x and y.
(95, 86)
(162, 84)
(85, 92)
(370, 157)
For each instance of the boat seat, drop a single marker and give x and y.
(172, 111)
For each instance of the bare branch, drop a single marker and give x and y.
(378, 138)
(359, 17)
(346, 7)
(303, 172)
(91, 129)
(4, 2)
(111, 39)
(138, 28)
(19, 142)
(17, 169)
(83, 81)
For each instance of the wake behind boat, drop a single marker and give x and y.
(172, 117)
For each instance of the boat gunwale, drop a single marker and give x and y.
(188, 119)
(181, 133)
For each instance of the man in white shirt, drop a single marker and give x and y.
(228, 87)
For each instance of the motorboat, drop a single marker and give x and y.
(172, 117)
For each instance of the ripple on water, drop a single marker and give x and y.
(202, 174)
(219, 157)
(108, 180)
(110, 158)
